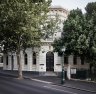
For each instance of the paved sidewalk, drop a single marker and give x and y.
(77, 84)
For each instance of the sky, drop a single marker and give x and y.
(72, 4)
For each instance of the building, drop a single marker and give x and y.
(43, 60)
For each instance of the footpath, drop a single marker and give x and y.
(73, 83)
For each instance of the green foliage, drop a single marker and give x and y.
(91, 17)
(20, 22)
(58, 45)
(75, 33)
(90, 8)
(78, 34)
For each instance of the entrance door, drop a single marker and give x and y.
(49, 61)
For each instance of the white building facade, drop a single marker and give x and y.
(43, 60)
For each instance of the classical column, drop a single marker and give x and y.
(9, 62)
(70, 62)
(29, 54)
(68, 72)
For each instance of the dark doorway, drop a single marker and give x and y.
(49, 61)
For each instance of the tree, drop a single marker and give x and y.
(74, 33)
(79, 34)
(91, 16)
(20, 24)
(51, 25)
(90, 8)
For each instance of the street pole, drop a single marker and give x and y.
(63, 76)
(63, 72)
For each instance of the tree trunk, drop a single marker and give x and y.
(20, 76)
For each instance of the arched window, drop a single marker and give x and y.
(82, 60)
(7, 60)
(2, 59)
(25, 59)
(34, 58)
(65, 59)
(74, 59)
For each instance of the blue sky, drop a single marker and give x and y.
(72, 4)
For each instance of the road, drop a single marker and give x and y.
(11, 85)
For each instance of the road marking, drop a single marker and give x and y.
(59, 90)
(41, 81)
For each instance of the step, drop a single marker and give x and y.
(50, 74)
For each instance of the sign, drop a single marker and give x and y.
(73, 71)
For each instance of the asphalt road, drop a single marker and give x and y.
(11, 85)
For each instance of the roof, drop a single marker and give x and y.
(58, 8)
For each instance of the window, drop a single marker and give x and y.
(25, 59)
(7, 60)
(34, 58)
(82, 60)
(2, 59)
(74, 60)
(65, 59)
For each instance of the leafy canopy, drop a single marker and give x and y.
(20, 22)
